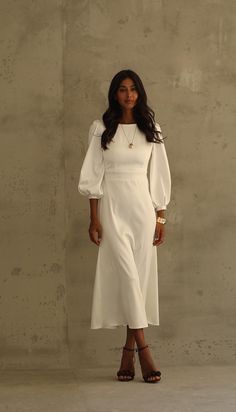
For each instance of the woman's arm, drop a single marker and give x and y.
(160, 229)
(95, 228)
(93, 209)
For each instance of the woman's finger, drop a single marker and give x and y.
(156, 237)
(92, 235)
(159, 235)
(99, 235)
(95, 234)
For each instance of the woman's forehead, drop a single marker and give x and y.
(127, 82)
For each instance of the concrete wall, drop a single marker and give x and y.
(57, 63)
(33, 313)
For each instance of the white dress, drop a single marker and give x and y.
(126, 280)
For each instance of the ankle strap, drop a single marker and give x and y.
(144, 347)
(124, 347)
(137, 349)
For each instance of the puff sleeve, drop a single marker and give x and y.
(159, 175)
(92, 170)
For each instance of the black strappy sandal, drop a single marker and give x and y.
(126, 372)
(151, 373)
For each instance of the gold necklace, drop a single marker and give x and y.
(130, 143)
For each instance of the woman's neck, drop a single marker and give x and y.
(127, 118)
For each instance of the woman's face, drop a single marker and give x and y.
(127, 94)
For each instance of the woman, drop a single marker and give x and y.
(127, 206)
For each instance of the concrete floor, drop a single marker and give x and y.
(182, 389)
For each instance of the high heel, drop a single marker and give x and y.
(151, 373)
(127, 373)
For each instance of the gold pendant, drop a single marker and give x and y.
(131, 145)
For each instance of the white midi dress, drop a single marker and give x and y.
(130, 184)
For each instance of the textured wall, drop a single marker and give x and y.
(183, 51)
(33, 315)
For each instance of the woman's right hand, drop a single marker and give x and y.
(95, 231)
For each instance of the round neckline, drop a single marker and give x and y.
(127, 123)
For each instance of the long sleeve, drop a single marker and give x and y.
(92, 170)
(159, 176)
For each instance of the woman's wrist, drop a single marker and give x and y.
(94, 219)
(161, 220)
(160, 213)
(160, 216)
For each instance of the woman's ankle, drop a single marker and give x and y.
(142, 347)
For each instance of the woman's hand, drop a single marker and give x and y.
(95, 231)
(159, 234)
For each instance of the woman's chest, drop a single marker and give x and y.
(120, 154)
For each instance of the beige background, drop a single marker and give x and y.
(57, 61)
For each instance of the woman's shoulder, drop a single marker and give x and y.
(96, 129)
(98, 126)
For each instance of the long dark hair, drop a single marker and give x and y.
(144, 116)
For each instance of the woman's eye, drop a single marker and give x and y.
(123, 90)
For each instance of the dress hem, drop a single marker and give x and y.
(123, 324)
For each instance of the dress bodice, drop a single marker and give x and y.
(120, 158)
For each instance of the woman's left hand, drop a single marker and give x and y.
(159, 234)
